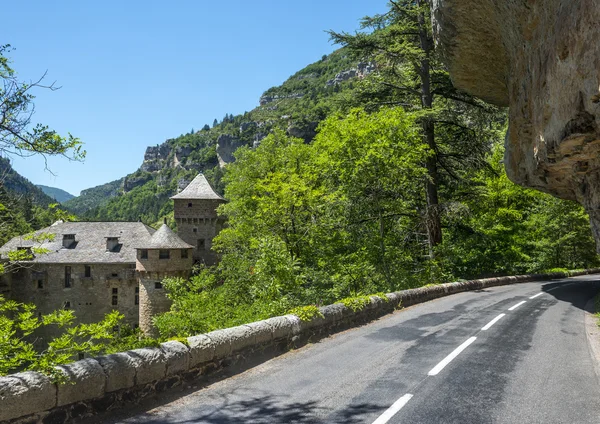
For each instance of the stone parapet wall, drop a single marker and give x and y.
(107, 382)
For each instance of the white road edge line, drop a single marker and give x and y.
(492, 322)
(435, 370)
(512, 308)
(393, 410)
(536, 295)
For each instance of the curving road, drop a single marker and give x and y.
(510, 354)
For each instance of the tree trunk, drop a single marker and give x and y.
(434, 225)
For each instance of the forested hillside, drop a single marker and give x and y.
(56, 193)
(296, 107)
(402, 186)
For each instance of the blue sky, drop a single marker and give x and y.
(135, 73)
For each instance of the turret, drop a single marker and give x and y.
(195, 211)
(166, 255)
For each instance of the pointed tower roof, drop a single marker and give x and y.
(199, 188)
(165, 238)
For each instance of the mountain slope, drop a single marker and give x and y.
(93, 197)
(20, 187)
(296, 106)
(56, 193)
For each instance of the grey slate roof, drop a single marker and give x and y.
(199, 188)
(165, 238)
(90, 244)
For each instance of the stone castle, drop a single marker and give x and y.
(93, 268)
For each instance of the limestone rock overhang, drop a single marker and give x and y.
(540, 58)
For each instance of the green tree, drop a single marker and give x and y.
(17, 137)
(410, 74)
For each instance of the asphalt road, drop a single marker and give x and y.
(430, 363)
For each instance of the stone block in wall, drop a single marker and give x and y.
(85, 380)
(221, 342)
(281, 326)
(295, 322)
(119, 369)
(333, 314)
(177, 355)
(202, 349)
(25, 393)
(240, 337)
(151, 364)
(394, 299)
(262, 330)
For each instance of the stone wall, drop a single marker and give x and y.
(108, 382)
(90, 297)
(199, 222)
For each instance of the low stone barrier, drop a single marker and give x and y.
(99, 384)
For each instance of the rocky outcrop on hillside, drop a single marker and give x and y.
(542, 60)
(266, 99)
(226, 145)
(362, 69)
(304, 130)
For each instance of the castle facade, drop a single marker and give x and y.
(93, 268)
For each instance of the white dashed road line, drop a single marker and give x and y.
(512, 308)
(492, 322)
(399, 404)
(435, 370)
(393, 410)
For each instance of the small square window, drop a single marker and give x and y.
(115, 274)
(81, 355)
(164, 254)
(184, 253)
(189, 204)
(158, 286)
(40, 284)
(195, 230)
(115, 290)
(143, 254)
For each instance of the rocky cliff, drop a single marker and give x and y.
(542, 60)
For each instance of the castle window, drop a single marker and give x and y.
(164, 254)
(68, 240)
(115, 300)
(67, 305)
(137, 296)
(112, 244)
(40, 284)
(201, 244)
(115, 290)
(158, 286)
(195, 230)
(184, 253)
(81, 355)
(189, 204)
(114, 274)
(67, 276)
(144, 254)
(88, 271)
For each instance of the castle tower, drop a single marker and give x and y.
(166, 255)
(197, 220)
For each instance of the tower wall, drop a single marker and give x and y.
(151, 272)
(198, 224)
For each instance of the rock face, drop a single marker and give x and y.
(226, 145)
(362, 69)
(540, 58)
